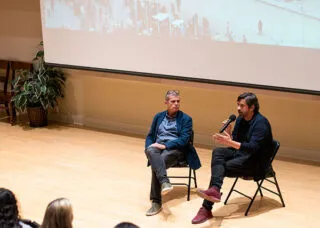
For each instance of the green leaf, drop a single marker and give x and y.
(44, 85)
(39, 54)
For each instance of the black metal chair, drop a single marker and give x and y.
(270, 173)
(184, 164)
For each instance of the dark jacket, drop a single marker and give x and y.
(257, 142)
(184, 127)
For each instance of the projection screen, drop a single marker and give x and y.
(257, 43)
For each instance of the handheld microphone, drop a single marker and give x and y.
(230, 120)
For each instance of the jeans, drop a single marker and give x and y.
(231, 163)
(160, 161)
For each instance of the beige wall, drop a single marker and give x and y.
(20, 29)
(127, 103)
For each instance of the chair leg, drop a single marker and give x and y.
(255, 194)
(259, 189)
(231, 190)
(12, 114)
(278, 188)
(189, 184)
(7, 108)
(195, 179)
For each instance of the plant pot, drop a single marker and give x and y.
(37, 116)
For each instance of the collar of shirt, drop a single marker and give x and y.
(171, 117)
(251, 120)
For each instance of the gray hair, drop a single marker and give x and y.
(175, 93)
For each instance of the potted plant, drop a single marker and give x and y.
(38, 90)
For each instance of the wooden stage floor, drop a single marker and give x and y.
(106, 178)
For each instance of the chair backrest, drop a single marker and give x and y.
(275, 148)
(269, 169)
(18, 65)
(5, 66)
(191, 138)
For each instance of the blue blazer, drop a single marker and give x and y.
(184, 127)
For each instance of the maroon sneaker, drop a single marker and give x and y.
(202, 216)
(212, 194)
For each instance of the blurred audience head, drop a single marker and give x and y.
(9, 213)
(126, 225)
(59, 214)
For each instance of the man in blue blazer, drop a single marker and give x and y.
(167, 144)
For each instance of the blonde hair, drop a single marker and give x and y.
(59, 214)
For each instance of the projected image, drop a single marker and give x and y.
(274, 22)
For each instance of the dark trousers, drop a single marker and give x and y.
(228, 162)
(160, 161)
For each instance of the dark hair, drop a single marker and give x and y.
(251, 99)
(9, 213)
(126, 225)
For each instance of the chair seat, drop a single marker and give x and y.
(181, 164)
(247, 178)
(270, 173)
